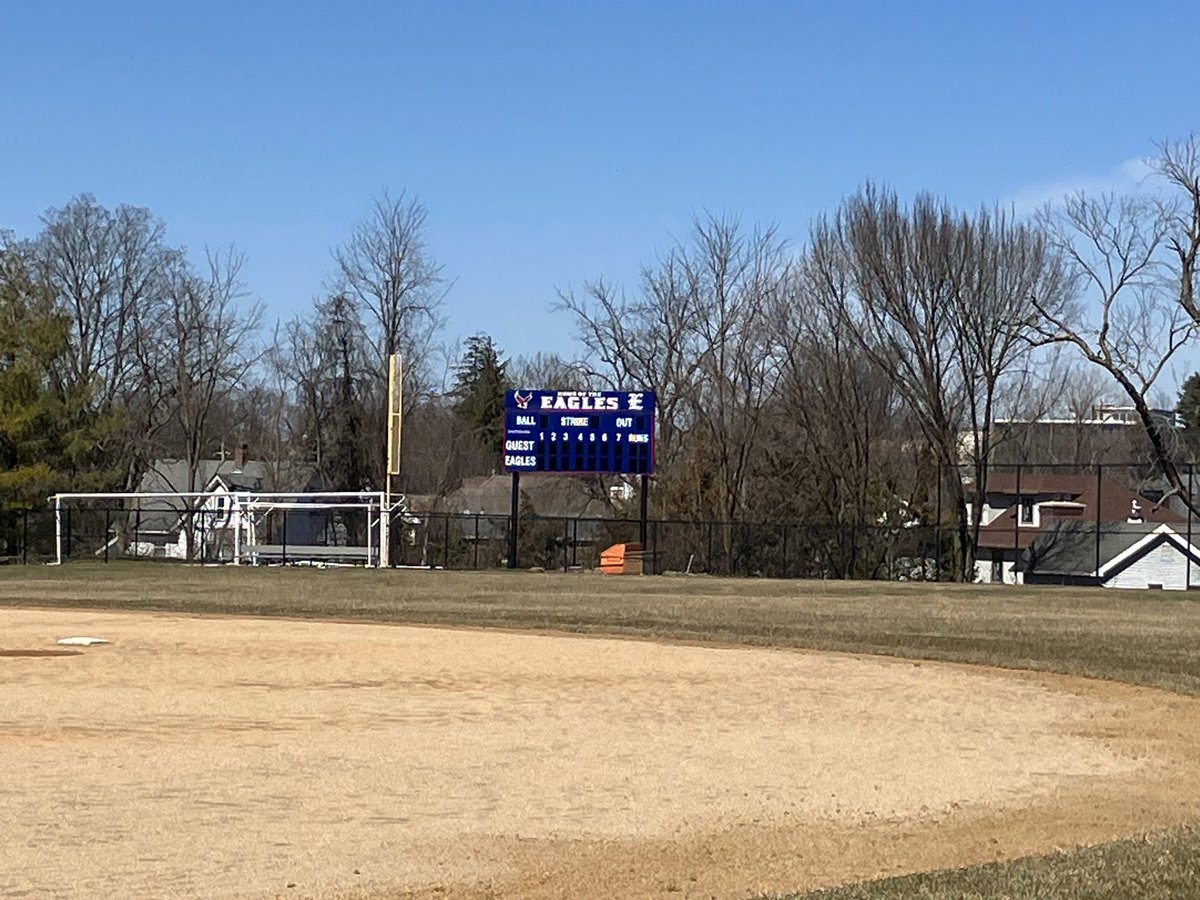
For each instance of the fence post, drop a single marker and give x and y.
(575, 542)
(25, 537)
(937, 532)
(446, 542)
(475, 561)
(1016, 530)
(1099, 488)
(643, 506)
(107, 525)
(708, 555)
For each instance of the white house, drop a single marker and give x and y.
(1122, 555)
(1016, 508)
(160, 526)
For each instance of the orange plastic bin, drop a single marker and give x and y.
(622, 559)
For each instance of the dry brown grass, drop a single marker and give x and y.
(1137, 637)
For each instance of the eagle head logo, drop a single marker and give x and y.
(522, 399)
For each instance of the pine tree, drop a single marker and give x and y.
(1189, 402)
(480, 380)
(36, 434)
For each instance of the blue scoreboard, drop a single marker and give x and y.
(579, 431)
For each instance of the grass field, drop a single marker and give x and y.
(1140, 638)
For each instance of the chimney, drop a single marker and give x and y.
(239, 456)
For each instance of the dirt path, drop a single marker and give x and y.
(249, 757)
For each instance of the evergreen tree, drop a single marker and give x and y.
(1189, 402)
(46, 436)
(480, 380)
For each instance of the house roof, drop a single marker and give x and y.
(1087, 500)
(171, 475)
(1072, 548)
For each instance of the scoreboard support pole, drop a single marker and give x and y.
(643, 507)
(513, 519)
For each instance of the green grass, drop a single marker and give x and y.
(1163, 866)
(1136, 637)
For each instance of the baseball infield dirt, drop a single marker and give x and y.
(203, 756)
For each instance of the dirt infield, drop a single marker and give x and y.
(260, 758)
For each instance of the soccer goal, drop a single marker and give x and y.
(231, 527)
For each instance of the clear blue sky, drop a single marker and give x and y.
(555, 142)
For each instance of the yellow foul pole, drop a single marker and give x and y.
(395, 408)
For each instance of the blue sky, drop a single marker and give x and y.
(556, 142)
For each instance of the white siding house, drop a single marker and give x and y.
(1131, 555)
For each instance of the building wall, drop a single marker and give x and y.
(986, 569)
(1165, 565)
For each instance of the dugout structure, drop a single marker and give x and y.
(227, 526)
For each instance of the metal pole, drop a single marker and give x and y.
(370, 549)
(446, 542)
(1099, 488)
(385, 531)
(512, 521)
(235, 513)
(370, 556)
(25, 536)
(283, 541)
(475, 563)
(644, 506)
(1188, 576)
(574, 542)
(107, 525)
(937, 531)
(1016, 529)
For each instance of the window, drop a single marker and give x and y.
(1026, 512)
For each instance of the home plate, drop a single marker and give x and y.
(81, 641)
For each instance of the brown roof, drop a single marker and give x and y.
(1113, 505)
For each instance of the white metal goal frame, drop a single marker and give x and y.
(242, 510)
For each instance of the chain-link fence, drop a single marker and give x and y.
(449, 541)
(1027, 522)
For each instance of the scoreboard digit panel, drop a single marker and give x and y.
(579, 431)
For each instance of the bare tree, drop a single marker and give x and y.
(203, 347)
(836, 449)
(325, 361)
(942, 302)
(1134, 257)
(699, 335)
(549, 371)
(387, 298)
(108, 270)
(395, 286)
